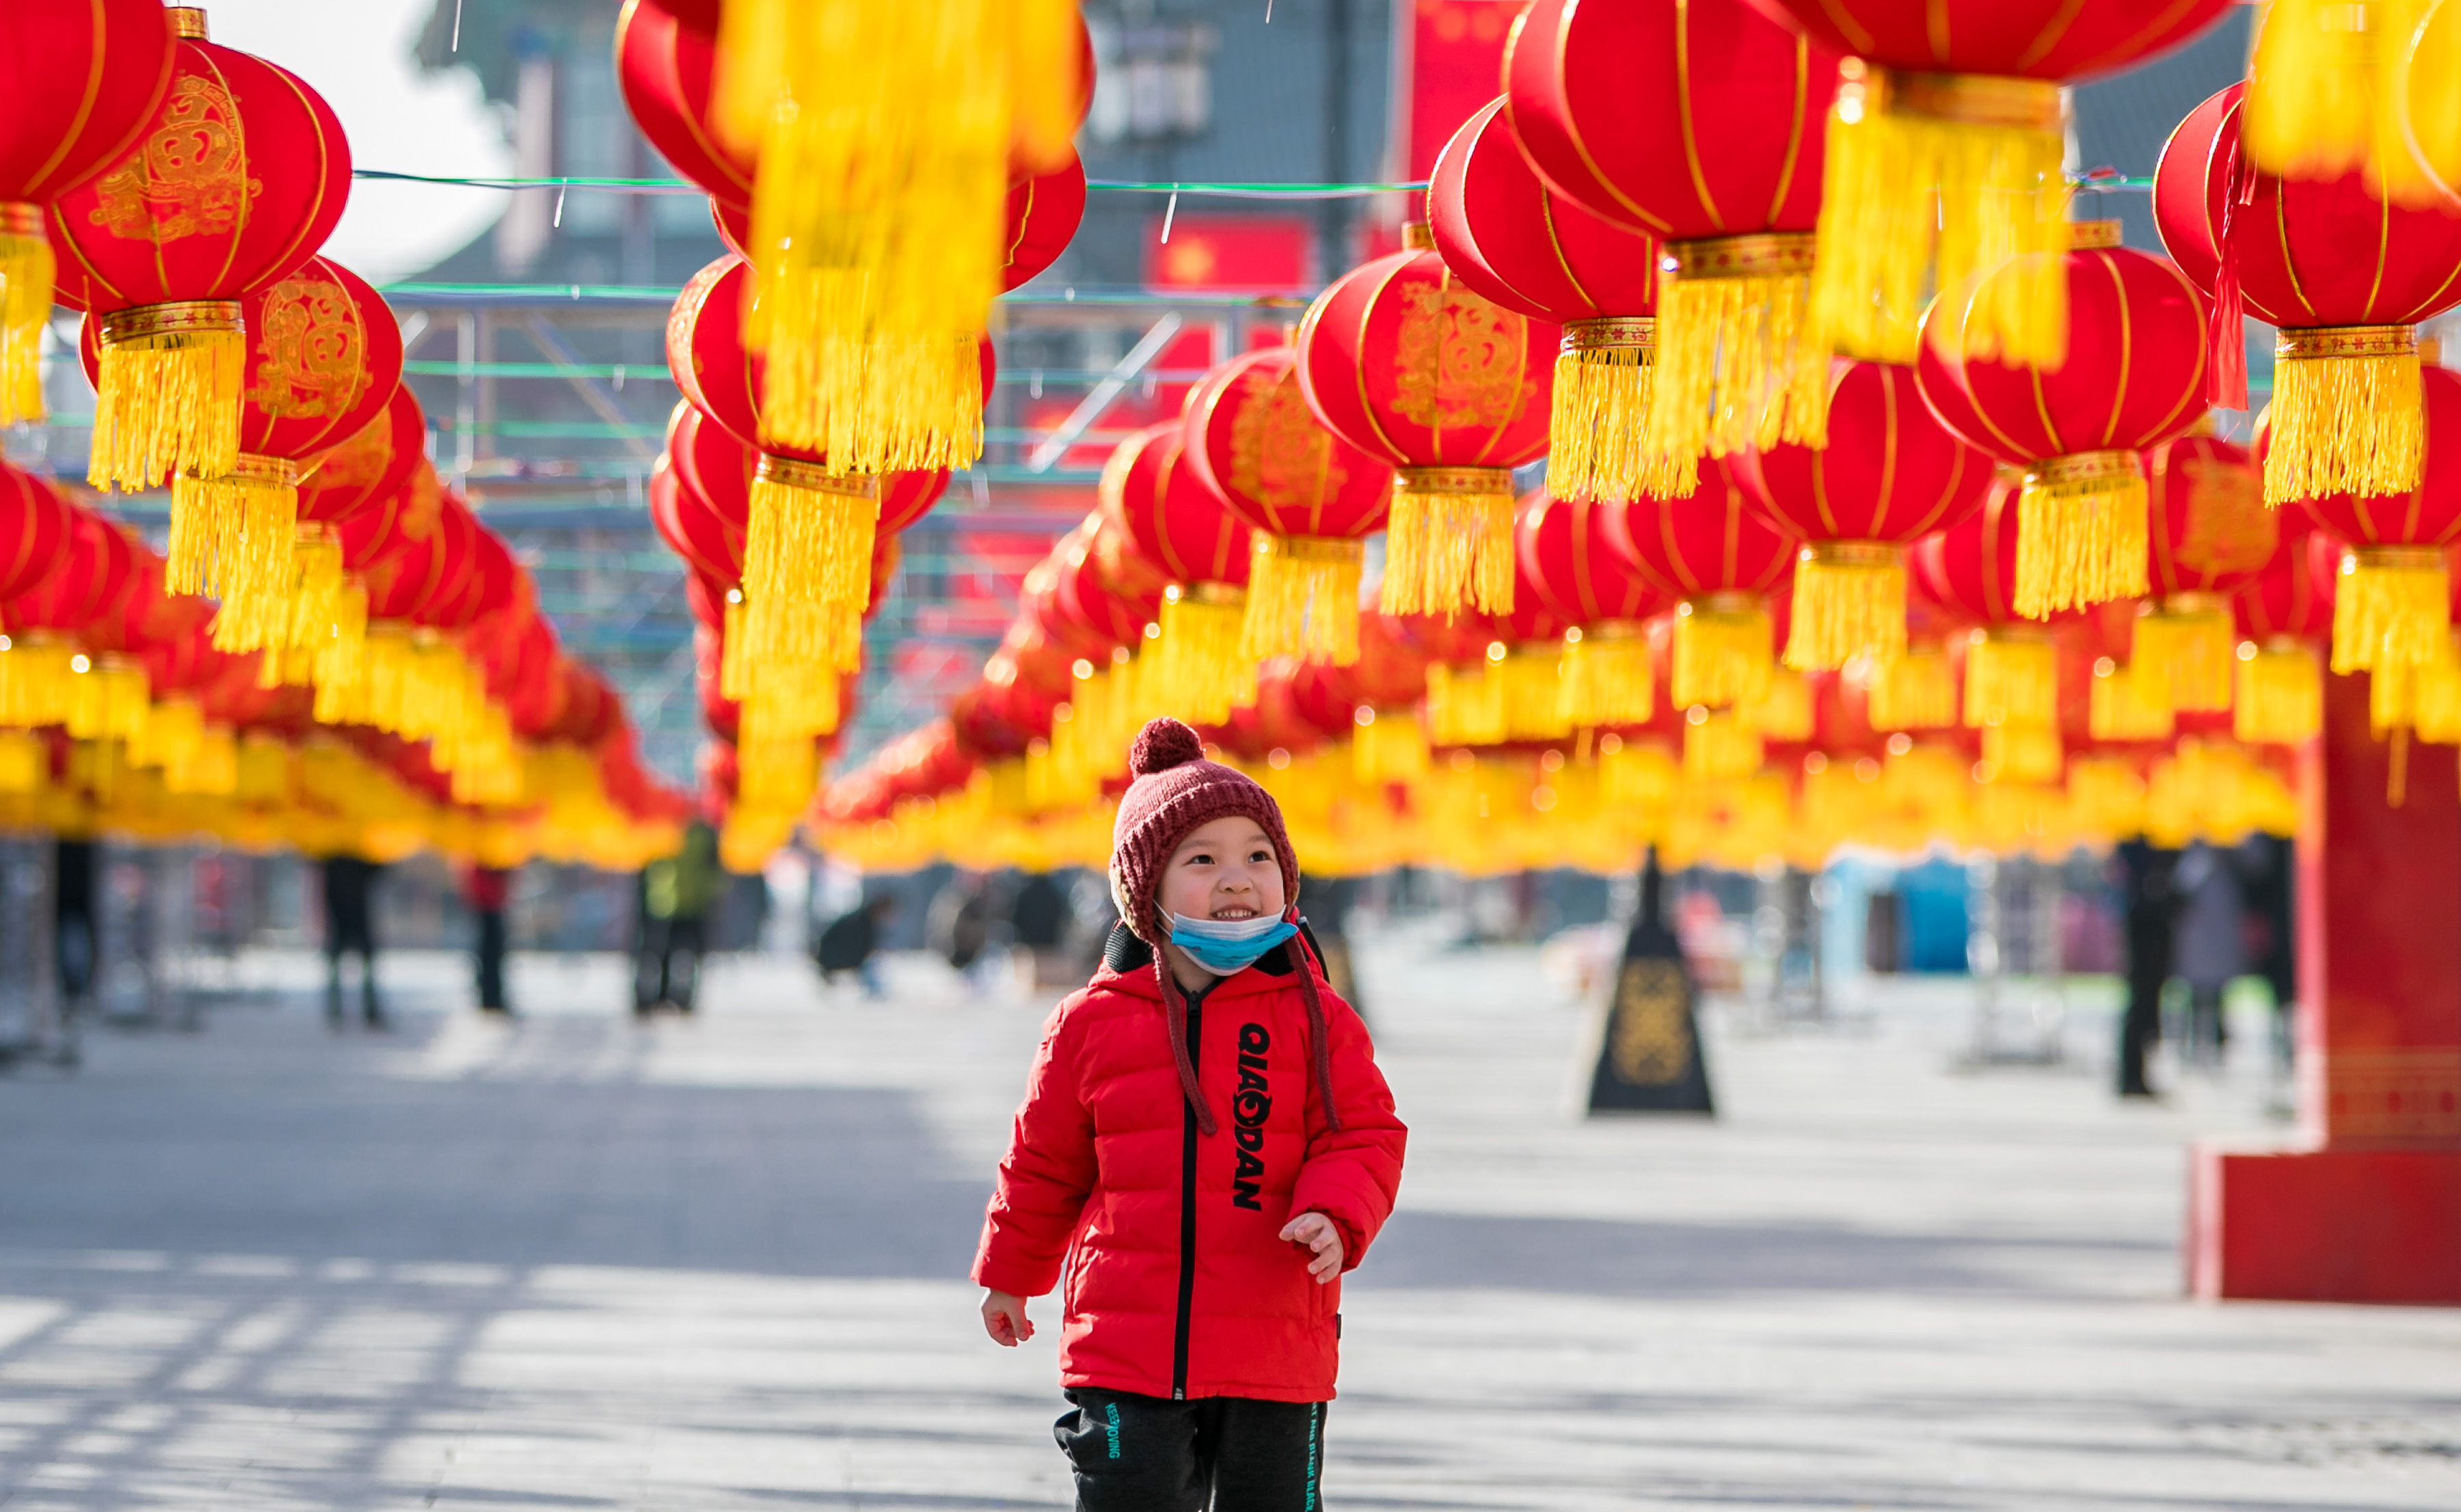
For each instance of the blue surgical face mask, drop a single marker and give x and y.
(1228, 947)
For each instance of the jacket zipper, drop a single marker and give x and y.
(1187, 1214)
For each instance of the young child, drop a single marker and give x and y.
(1205, 1146)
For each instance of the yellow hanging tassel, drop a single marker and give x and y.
(1388, 745)
(37, 674)
(2391, 606)
(1303, 600)
(1532, 679)
(26, 271)
(341, 658)
(1783, 710)
(1449, 541)
(107, 698)
(2107, 796)
(2019, 754)
(2281, 695)
(1608, 678)
(1466, 705)
(806, 557)
(2418, 131)
(2436, 697)
(2347, 414)
(1720, 746)
(174, 729)
(2011, 678)
(1199, 672)
(1950, 173)
(1722, 652)
(25, 762)
(1850, 601)
(791, 701)
(2127, 705)
(2080, 533)
(2184, 653)
(168, 397)
(1738, 365)
(231, 538)
(2331, 88)
(885, 133)
(1604, 377)
(1915, 691)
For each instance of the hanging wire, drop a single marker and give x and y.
(456, 25)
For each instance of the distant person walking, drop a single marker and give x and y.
(486, 889)
(2211, 945)
(350, 927)
(852, 942)
(677, 892)
(2152, 911)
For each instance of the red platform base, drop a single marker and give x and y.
(2325, 1226)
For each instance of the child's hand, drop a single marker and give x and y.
(1004, 1318)
(1316, 1231)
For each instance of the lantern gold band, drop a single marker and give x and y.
(2093, 235)
(1606, 630)
(313, 533)
(1724, 601)
(2311, 342)
(17, 217)
(1850, 553)
(188, 22)
(1417, 236)
(812, 477)
(1310, 548)
(2196, 603)
(259, 469)
(1616, 333)
(165, 320)
(1963, 99)
(2412, 558)
(1766, 254)
(2084, 467)
(1206, 593)
(1479, 482)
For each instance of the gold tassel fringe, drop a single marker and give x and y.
(1850, 601)
(1388, 745)
(2333, 89)
(1200, 673)
(107, 699)
(1722, 652)
(2011, 678)
(1607, 677)
(1738, 365)
(1449, 541)
(37, 680)
(2347, 414)
(806, 560)
(2391, 606)
(1303, 600)
(2185, 653)
(2080, 533)
(25, 274)
(1720, 746)
(1915, 691)
(25, 762)
(168, 397)
(1951, 175)
(1466, 705)
(1782, 711)
(1533, 701)
(2020, 753)
(2127, 705)
(2281, 695)
(2434, 697)
(1595, 450)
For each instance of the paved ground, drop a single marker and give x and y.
(569, 1263)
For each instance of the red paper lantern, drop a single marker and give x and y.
(666, 63)
(1407, 363)
(1890, 474)
(706, 536)
(2207, 533)
(34, 525)
(1185, 530)
(2011, 662)
(1044, 210)
(2133, 378)
(1535, 251)
(82, 79)
(238, 177)
(1945, 153)
(89, 576)
(375, 461)
(1309, 496)
(2343, 273)
(1701, 125)
(1719, 555)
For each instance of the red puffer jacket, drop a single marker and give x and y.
(1178, 1284)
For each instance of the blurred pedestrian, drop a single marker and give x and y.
(852, 942)
(486, 889)
(1206, 1108)
(677, 892)
(2152, 912)
(2211, 948)
(350, 928)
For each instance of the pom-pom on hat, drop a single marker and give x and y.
(1174, 791)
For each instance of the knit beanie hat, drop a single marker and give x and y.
(1174, 791)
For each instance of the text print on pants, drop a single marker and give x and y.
(1253, 1105)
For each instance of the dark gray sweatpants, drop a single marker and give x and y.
(1229, 1454)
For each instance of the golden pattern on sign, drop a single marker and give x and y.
(188, 178)
(2229, 528)
(314, 351)
(1279, 456)
(1650, 1031)
(1460, 361)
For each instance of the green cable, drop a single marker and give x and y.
(1239, 189)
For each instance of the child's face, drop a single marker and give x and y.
(1226, 869)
